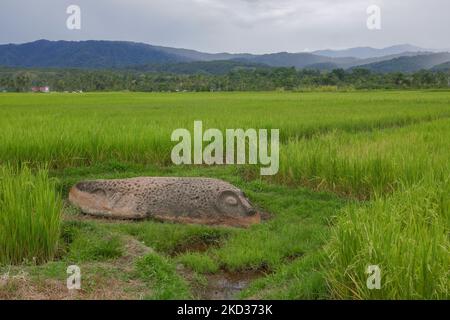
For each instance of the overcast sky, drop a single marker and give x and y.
(257, 26)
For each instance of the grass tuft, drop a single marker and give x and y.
(30, 211)
(163, 277)
(406, 235)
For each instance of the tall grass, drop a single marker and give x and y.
(368, 163)
(406, 235)
(30, 210)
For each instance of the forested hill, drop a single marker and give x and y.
(219, 67)
(121, 54)
(83, 54)
(117, 54)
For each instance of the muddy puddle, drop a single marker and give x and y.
(227, 285)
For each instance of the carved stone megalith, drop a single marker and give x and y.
(184, 200)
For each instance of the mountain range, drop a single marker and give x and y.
(368, 52)
(122, 54)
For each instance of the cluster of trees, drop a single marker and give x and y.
(257, 79)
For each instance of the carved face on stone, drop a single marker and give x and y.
(185, 200)
(234, 203)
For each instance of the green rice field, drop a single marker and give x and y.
(364, 180)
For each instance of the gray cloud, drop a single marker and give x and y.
(232, 25)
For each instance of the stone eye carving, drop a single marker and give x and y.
(228, 203)
(232, 201)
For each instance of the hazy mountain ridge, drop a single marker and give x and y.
(442, 67)
(409, 64)
(368, 52)
(298, 60)
(123, 54)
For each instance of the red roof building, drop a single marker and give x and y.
(44, 89)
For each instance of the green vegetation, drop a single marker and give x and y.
(163, 276)
(30, 211)
(69, 130)
(90, 244)
(406, 235)
(171, 238)
(367, 163)
(199, 263)
(364, 180)
(228, 76)
(304, 278)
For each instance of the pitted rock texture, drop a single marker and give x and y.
(184, 200)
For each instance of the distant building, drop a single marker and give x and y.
(44, 89)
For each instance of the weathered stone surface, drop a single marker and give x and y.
(183, 200)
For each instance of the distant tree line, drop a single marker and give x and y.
(257, 79)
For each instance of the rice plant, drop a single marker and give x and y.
(366, 164)
(30, 210)
(406, 235)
